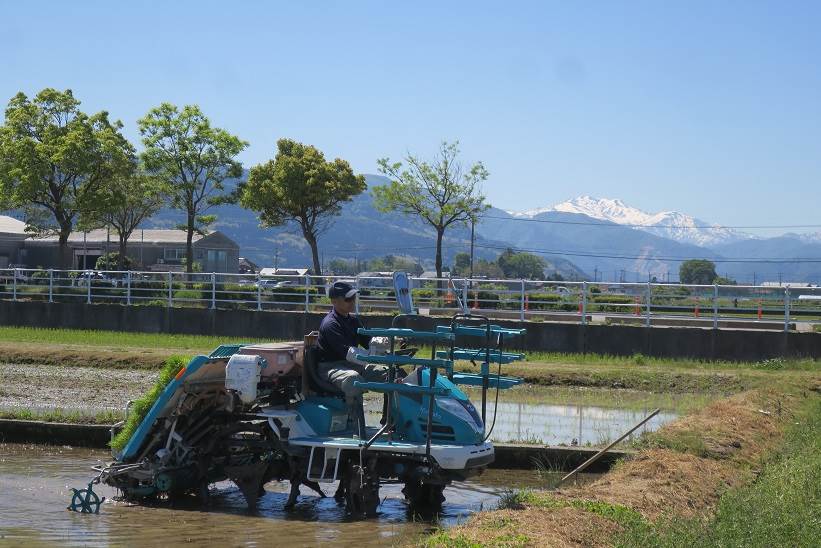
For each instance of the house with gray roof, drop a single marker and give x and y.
(12, 235)
(151, 249)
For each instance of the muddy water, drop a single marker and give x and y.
(35, 488)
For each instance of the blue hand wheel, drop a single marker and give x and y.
(85, 501)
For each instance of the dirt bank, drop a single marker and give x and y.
(84, 356)
(682, 471)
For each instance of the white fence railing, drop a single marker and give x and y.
(625, 303)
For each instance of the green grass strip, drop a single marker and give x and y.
(83, 337)
(141, 406)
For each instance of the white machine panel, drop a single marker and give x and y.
(242, 375)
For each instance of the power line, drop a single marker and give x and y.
(610, 224)
(658, 258)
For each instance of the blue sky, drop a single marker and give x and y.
(711, 108)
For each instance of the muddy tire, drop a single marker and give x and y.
(361, 491)
(424, 496)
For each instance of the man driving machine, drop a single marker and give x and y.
(338, 344)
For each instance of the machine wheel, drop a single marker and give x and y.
(361, 490)
(424, 496)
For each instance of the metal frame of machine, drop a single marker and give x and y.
(220, 418)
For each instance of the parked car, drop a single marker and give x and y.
(269, 284)
(95, 278)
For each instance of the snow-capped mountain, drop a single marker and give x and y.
(667, 224)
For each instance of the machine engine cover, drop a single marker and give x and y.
(282, 359)
(242, 375)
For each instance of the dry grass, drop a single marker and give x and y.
(561, 527)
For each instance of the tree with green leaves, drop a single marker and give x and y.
(54, 158)
(301, 187)
(521, 265)
(442, 192)
(123, 202)
(461, 264)
(196, 159)
(697, 271)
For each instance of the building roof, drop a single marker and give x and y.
(149, 236)
(10, 225)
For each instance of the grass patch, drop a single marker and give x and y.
(798, 364)
(118, 339)
(683, 441)
(141, 406)
(106, 417)
(443, 539)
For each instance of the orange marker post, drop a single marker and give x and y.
(759, 309)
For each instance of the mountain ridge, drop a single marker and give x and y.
(675, 225)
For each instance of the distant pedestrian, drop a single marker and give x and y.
(735, 302)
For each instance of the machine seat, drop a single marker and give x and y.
(316, 383)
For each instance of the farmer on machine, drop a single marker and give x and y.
(339, 344)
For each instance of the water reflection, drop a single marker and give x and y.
(557, 424)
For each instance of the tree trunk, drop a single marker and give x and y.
(64, 257)
(189, 246)
(311, 239)
(121, 258)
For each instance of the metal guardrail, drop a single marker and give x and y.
(646, 304)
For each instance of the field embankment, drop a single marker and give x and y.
(742, 471)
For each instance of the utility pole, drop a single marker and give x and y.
(472, 233)
(595, 273)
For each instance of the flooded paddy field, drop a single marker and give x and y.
(531, 414)
(36, 482)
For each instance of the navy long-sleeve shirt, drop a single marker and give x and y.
(337, 333)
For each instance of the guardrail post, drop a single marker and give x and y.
(465, 307)
(213, 291)
(88, 289)
(649, 297)
(51, 285)
(307, 296)
(259, 294)
(584, 302)
(14, 284)
(715, 306)
(170, 294)
(128, 288)
(522, 301)
(787, 310)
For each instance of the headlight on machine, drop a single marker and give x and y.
(460, 409)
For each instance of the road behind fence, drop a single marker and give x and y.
(716, 306)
